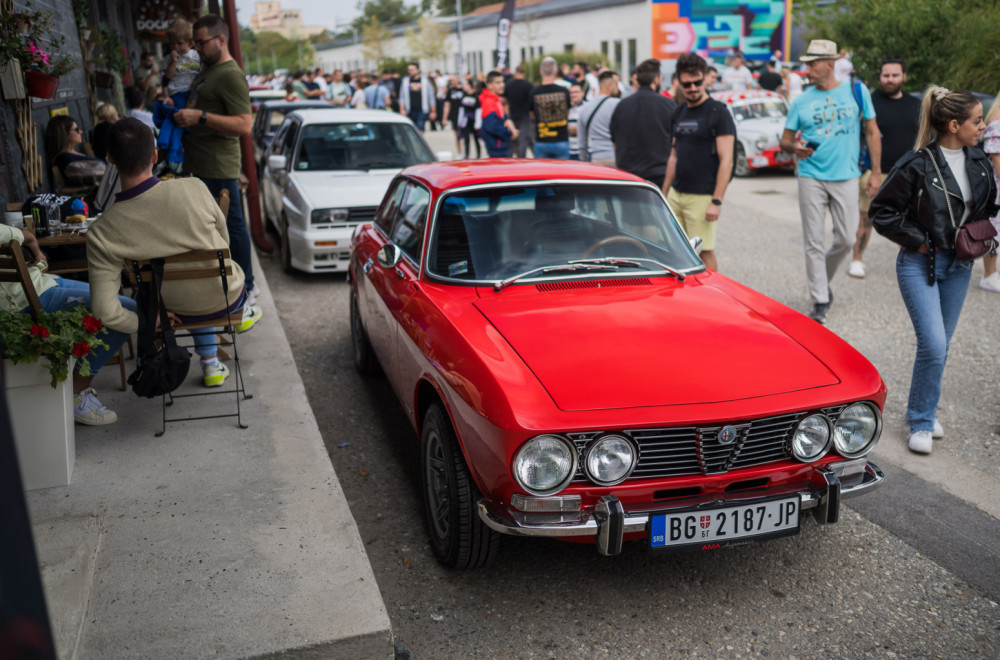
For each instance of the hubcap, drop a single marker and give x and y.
(438, 496)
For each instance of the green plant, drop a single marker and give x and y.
(114, 53)
(57, 336)
(81, 13)
(25, 36)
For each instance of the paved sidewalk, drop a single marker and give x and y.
(211, 540)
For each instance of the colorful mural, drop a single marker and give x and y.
(714, 27)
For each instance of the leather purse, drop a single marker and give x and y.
(973, 239)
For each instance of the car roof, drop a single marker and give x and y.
(749, 95)
(324, 116)
(282, 104)
(452, 174)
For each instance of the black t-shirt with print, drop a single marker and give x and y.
(550, 105)
(416, 100)
(454, 97)
(899, 122)
(697, 161)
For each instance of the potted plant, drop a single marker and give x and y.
(27, 37)
(114, 58)
(81, 13)
(56, 336)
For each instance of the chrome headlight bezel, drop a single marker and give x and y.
(531, 445)
(761, 143)
(870, 443)
(591, 453)
(824, 422)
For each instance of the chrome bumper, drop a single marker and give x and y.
(609, 521)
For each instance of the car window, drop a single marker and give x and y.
(288, 146)
(279, 138)
(497, 233)
(361, 146)
(408, 230)
(390, 206)
(277, 116)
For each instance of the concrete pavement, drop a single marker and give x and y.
(210, 540)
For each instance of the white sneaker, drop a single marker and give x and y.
(938, 431)
(991, 283)
(214, 375)
(921, 442)
(87, 409)
(856, 269)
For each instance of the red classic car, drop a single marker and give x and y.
(573, 370)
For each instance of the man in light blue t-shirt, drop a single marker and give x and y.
(829, 116)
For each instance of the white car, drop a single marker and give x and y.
(760, 119)
(326, 172)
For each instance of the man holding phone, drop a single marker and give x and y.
(829, 117)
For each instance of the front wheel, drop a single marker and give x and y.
(286, 248)
(742, 167)
(459, 539)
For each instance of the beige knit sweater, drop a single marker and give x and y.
(170, 218)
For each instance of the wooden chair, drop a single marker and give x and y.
(211, 265)
(13, 268)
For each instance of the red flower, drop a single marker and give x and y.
(39, 331)
(81, 349)
(92, 324)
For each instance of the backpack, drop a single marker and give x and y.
(714, 121)
(158, 371)
(864, 158)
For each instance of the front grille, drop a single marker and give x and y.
(361, 213)
(692, 450)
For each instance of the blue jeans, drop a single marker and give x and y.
(70, 292)
(239, 236)
(559, 150)
(934, 310)
(418, 118)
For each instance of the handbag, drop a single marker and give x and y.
(158, 371)
(85, 172)
(973, 239)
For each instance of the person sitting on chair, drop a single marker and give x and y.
(152, 219)
(56, 293)
(62, 137)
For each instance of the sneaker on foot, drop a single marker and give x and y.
(921, 442)
(856, 269)
(252, 295)
(991, 283)
(251, 314)
(87, 409)
(819, 311)
(938, 431)
(214, 375)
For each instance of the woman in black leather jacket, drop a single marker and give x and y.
(910, 209)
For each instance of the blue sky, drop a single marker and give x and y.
(314, 12)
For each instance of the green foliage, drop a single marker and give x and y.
(81, 13)
(447, 7)
(394, 64)
(531, 66)
(955, 43)
(275, 52)
(113, 52)
(27, 36)
(388, 13)
(56, 336)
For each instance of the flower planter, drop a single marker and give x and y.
(104, 79)
(41, 85)
(42, 420)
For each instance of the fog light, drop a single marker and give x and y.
(844, 469)
(812, 438)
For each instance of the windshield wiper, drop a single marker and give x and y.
(378, 165)
(634, 262)
(500, 285)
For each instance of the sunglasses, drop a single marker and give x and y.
(692, 83)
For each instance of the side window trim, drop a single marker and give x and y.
(399, 185)
(411, 187)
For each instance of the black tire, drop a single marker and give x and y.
(742, 167)
(459, 539)
(364, 357)
(285, 248)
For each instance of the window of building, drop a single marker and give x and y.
(631, 54)
(604, 49)
(618, 57)
(568, 48)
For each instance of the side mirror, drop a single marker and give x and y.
(444, 155)
(389, 255)
(696, 244)
(277, 162)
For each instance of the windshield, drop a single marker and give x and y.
(500, 233)
(760, 109)
(360, 146)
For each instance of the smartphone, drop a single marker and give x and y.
(812, 144)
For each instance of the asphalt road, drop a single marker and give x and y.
(909, 571)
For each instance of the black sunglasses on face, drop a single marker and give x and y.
(692, 83)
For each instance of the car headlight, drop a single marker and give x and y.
(761, 143)
(857, 430)
(322, 216)
(610, 460)
(545, 464)
(811, 438)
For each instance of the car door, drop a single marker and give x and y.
(272, 196)
(281, 177)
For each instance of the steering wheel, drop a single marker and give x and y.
(615, 239)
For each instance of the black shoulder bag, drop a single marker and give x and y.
(159, 371)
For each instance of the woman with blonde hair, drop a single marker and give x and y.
(944, 183)
(991, 145)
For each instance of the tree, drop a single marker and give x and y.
(388, 13)
(955, 43)
(429, 40)
(375, 39)
(447, 7)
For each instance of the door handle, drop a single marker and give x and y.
(399, 273)
(368, 266)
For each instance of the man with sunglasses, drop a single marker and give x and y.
(898, 118)
(701, 160)
(217, 114)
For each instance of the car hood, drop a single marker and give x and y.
(649, 345)
(345, 188)
(755, 128)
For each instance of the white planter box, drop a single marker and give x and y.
(42, 418)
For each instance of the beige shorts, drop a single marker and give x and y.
(863, 201)
(690, 210)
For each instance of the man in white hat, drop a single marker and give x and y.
(829, 116)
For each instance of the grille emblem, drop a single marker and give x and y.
(727, 435)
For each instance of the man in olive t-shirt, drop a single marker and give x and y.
(218, 113)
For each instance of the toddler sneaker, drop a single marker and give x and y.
(921, 442)
(87, 409)
(214, 374)
(938, 431)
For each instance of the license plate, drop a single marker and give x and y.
(712, 528)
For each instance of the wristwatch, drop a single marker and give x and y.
(717, 202)
(204, 120)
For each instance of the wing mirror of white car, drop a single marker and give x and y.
(277, 162)
(389, 255)
(695, 244)
(444, 156)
